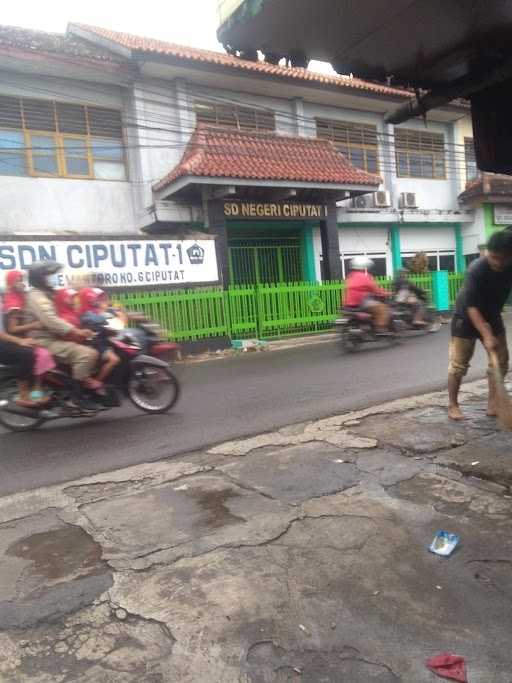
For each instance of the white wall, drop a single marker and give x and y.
(462, 129)
(473, 234)
(363, 240)
(418, 239)
(159, 138)
(52, 206)
(61, 89)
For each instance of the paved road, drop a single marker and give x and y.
(227, 398)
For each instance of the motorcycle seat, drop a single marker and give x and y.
(357, 313)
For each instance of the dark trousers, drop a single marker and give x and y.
(20, 357)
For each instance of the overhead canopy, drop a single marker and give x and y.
(425, 43)
(238, 159)
(454, 48)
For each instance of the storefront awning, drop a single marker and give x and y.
(222, 156)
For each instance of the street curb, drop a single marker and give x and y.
(278, 345)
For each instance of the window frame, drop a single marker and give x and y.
(347, 256)
(64, 156)
(236, 113)
(59, 139)
(29, 134)
(370, 129)
(406, 149)
(469, 145)
(434, 253)
(20, 152)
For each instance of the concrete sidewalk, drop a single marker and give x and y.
(299, 555)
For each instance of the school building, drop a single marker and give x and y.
(234, 170)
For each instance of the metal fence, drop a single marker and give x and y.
(264, 311)
(455, 281)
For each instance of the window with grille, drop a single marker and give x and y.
(437, 260)
(357, 141)
(470, 159)
(61, 140)
(234, 116)
(380, 268)
(419, 154)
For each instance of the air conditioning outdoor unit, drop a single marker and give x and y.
(361, 202)
(408, 200)
(381, 199)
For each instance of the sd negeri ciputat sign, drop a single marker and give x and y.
(118, 263)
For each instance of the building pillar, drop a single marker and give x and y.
(396, 250)
(217, 227)
(460, 261)
(441, 290)
(331, 244)
(308, 254)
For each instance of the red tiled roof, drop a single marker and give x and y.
(487, 184)
(193, 54)
(13, 37)
(226, 153)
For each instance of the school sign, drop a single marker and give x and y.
(118, 263)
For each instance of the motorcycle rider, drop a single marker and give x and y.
(408, 294)
(19, 352)
(363, 292)
(61, 338)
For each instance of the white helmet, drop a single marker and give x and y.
(361, 263)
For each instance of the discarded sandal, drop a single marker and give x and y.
(448, 666)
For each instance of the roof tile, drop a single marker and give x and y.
(13, 37)
(139, 43)
(218, 152)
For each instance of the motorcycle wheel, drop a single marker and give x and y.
(153, 389)
(15, 422)
(350, 343)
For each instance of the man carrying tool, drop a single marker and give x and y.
(477, 315)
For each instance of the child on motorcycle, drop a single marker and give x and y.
(361, 291)
(92, 316)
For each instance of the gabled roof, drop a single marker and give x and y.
(192, 54)
(217, 152)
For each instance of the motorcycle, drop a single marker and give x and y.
(429, 317)
(355, 327)
(144, 378)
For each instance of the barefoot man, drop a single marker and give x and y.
(477, 315)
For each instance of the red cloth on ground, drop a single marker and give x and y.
(449, 666)
(358, 286)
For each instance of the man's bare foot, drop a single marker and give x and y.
(455, 413)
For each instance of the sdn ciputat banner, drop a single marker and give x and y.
(117, 263)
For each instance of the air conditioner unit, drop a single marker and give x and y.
(381, 199)
(361, 202)
(408, 200)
